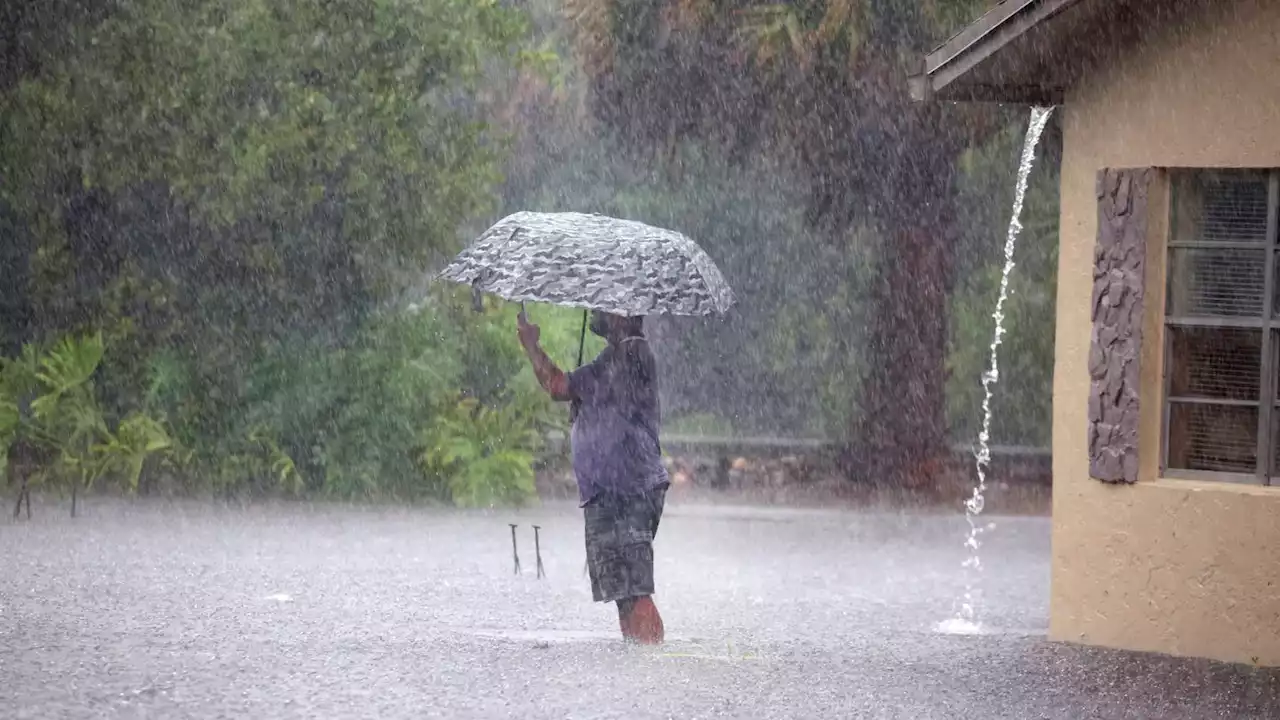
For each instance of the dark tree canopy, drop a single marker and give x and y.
(822, 84)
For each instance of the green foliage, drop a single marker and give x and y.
(283, 470)
(67, 394)
(17, 382)
(238, 104)
(235, 195)
(404, 381)
(137, 437)
(483, 455)
(1021, 403)
(66, 419)
(65, 415)
(8, 421)
(350, 423)
(208, 182)
(228, 201)
(8, 430)
(19, 376)
(254, 461)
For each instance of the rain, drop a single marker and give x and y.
(312, 319)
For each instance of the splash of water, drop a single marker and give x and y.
(966, 621)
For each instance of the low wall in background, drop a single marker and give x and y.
(791, 471)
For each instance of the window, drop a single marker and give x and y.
(1222, 327)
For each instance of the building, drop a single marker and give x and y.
(1166, 419)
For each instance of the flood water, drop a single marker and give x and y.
(153, 609)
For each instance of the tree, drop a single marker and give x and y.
(821, 83)
(212, 179)
(259, 117)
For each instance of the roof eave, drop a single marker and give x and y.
(940, 74)
(922, 91)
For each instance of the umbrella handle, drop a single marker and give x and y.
(582, 338)
(582, 342)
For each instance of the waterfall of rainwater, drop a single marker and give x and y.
(966, 621)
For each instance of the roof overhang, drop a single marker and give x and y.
(1023, 51)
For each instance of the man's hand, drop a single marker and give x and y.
(528, 332)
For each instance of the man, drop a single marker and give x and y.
(617, 459)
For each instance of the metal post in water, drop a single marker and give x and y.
(515, 554)
(537, 551)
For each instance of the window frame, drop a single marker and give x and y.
(1267, 402)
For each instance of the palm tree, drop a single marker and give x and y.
(823, 81)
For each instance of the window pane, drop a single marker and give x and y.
(1275, 293)
(1217, 363)
(1219, 438)
(1217, 207)
(1275, 444)
(1219, 282)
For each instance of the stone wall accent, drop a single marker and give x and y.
(1117, 304)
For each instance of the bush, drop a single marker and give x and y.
(484, 456)
(47, 400)
(356, 421)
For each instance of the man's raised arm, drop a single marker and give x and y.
(551, 378)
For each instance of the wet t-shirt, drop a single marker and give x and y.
(615, 436)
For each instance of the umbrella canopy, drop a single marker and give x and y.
(594, 262)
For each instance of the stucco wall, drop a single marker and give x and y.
(1162, 565)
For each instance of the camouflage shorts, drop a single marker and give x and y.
(619, 532)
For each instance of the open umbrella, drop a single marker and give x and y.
(594, 262)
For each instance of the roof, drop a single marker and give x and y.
(1025, 51)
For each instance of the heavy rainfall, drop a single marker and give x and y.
(264, 456)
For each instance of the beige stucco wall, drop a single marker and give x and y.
(1163, 565)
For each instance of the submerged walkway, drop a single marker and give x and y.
(195, 611)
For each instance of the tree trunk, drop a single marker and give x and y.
(74, 488)
(17, 508)
(899, 438)
(23, 458)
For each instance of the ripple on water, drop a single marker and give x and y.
(959, 626)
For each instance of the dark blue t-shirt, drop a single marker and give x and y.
(615, 436)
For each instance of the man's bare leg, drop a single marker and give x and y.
(625, 607)
(640, 621)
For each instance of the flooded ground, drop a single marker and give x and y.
(189, 610)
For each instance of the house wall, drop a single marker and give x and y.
(1163, 565)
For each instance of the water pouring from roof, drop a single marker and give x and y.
(967, 621)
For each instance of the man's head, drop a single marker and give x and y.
(615, 327)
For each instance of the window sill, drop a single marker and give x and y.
(1230, 488)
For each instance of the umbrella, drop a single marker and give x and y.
(594, 262)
